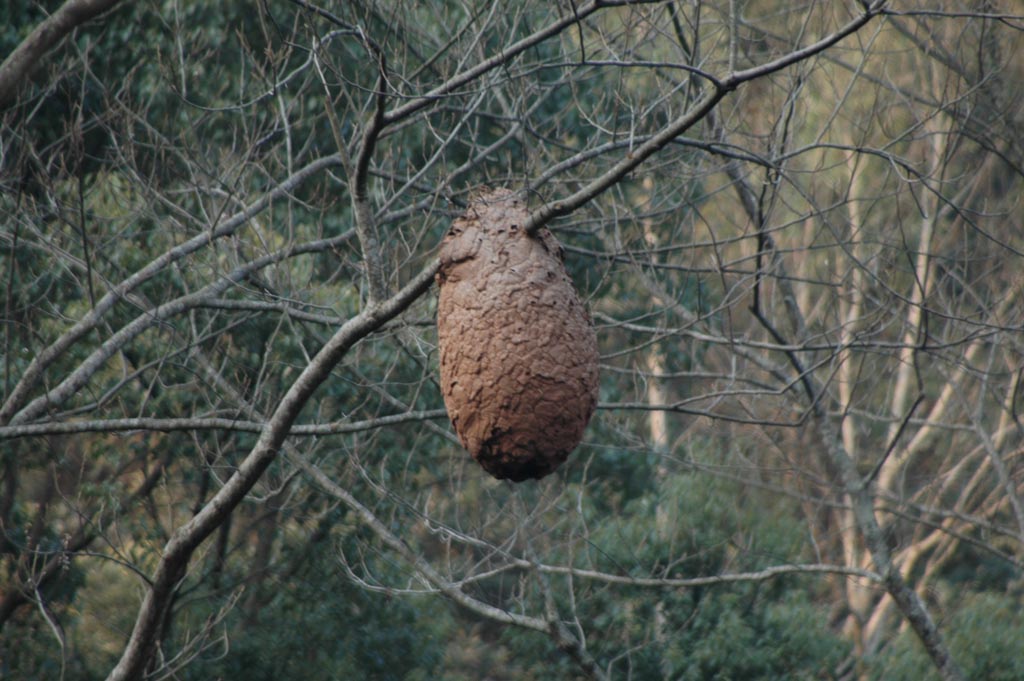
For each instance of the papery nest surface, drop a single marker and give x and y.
(519, 357)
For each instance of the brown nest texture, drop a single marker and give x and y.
(519, 360)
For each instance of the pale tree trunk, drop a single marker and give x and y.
(921, 287)
(859, 593)
(657, 419)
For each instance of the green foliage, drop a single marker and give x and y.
(689, 525)
(985, 630)
(327, 629)
(733, 638)
(317, 624)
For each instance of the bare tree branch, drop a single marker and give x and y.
(28, 55)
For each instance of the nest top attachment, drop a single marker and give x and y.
(519, 358)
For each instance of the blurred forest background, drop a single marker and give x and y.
(797, 225)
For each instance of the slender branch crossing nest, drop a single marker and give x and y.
(519, 360)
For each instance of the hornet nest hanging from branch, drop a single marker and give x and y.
(519, 360)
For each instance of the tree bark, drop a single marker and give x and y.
(28, 55)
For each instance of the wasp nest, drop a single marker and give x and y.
(518, 350)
